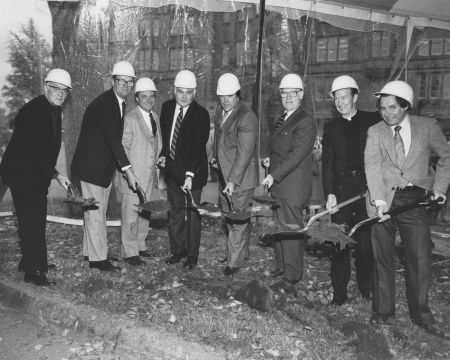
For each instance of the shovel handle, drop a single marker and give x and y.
(141, 191)
(266, 172)
(70, 188)
(169, 172)
(191, 198)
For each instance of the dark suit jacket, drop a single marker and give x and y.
(99, 146)
(190, 153)
(30, 158)
(236, 149)
(334, 149)
(290, 151)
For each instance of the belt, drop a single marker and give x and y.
(353, 173)
(411, 188)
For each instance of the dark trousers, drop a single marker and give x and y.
(31, 213)
(416, 239)
(350, 215)
(289, 249)
(183, 238)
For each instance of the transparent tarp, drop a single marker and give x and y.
(214, 37)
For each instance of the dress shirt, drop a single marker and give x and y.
(146, 116)
(289, 113)
(175, 115)
(405, 133)
(228, 115)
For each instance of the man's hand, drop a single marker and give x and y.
(268, 181)
(213, 163)
(162, 161)
(331, 201)
(266, 162)
(132, 179)
(63, 181)
(380, 210)
(187, 184)
(438, 194)
(229, 189)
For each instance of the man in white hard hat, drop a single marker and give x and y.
(142, 143)
(343, 144)
(185, 132)
(290, 159)
(28, 166)
(235, 152)
(99, 151)
(397, 168)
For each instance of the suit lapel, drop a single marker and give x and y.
(143, 124)
(415, 134)
(388, 140)
(286, 122)
(228, 123)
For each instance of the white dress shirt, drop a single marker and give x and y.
(146, 116)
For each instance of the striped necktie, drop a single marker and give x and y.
(124, 107)
(173, 146)
(280, 121)
(400, 152)
(224, 118)
(153, 122)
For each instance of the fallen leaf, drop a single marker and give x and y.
(172, 318)
(65, 332)
(256, 347)
(273, 352)
(77, 274)
(176, 284)
(38, 347)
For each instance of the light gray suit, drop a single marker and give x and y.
(236, 152)
(142, 149)
(383, 177)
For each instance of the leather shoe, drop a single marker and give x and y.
(145, 253)
(338, 302)
(291, 281)
(191, 262)
(432, 330)
(134, 261)
(175, 258)
(222, 260)
(38, 278)
(276, 273)
(86, 258)
(103, 265)
(380, 318)
(49, 267)
(230, 271)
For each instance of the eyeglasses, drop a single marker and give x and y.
(290, 93)
(130, 83)
(58, 90)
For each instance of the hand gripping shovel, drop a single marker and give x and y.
(180, 183)
(420, 202)
(265, 199)
(78, 200)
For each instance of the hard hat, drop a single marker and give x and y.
(186, 79)
(59, 76)
(228, 84)
(343, 82)
(145, 84)
(123, 68)
(291, 81)
(398, 88)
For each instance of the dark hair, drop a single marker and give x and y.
(238, 94)
(353, 91)
(404, 104)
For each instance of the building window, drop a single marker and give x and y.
(226, 54)
(250, 56)
(446, 87)
(435, 86)
(423, 85)
(190, 25)
(437, 47)
(447, 47)
(174, 59)
(322, 88)
(144, 59)
(241, 15)
(332, 48)
(381, 44)
(424, 47)
(156, 27)
(240, 53)
(155, 63)
(189, 58)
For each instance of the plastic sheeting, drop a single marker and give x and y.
(214, 37)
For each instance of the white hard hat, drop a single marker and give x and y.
(123, 68)
(145, 84)
(186, 79)
(228, 84)
(291, 81)
(59, 76)
(398, 88)
(343, 82)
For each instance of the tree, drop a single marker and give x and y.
(29, 57)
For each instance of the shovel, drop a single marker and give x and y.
(420, 202)
(180, 183)
(223, 184)
(265, 199)
(78, 200)
(158, 206)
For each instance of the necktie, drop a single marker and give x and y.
(400, 152)
(173, 146)
(54, 113)
(124, 106)
(281, 121)
(153, 122)
(224, 118)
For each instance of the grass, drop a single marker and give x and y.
(202, 309)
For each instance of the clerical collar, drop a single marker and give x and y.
(349, 118)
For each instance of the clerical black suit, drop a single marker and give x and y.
(190, 156)
(28, 167)
(343, 146)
